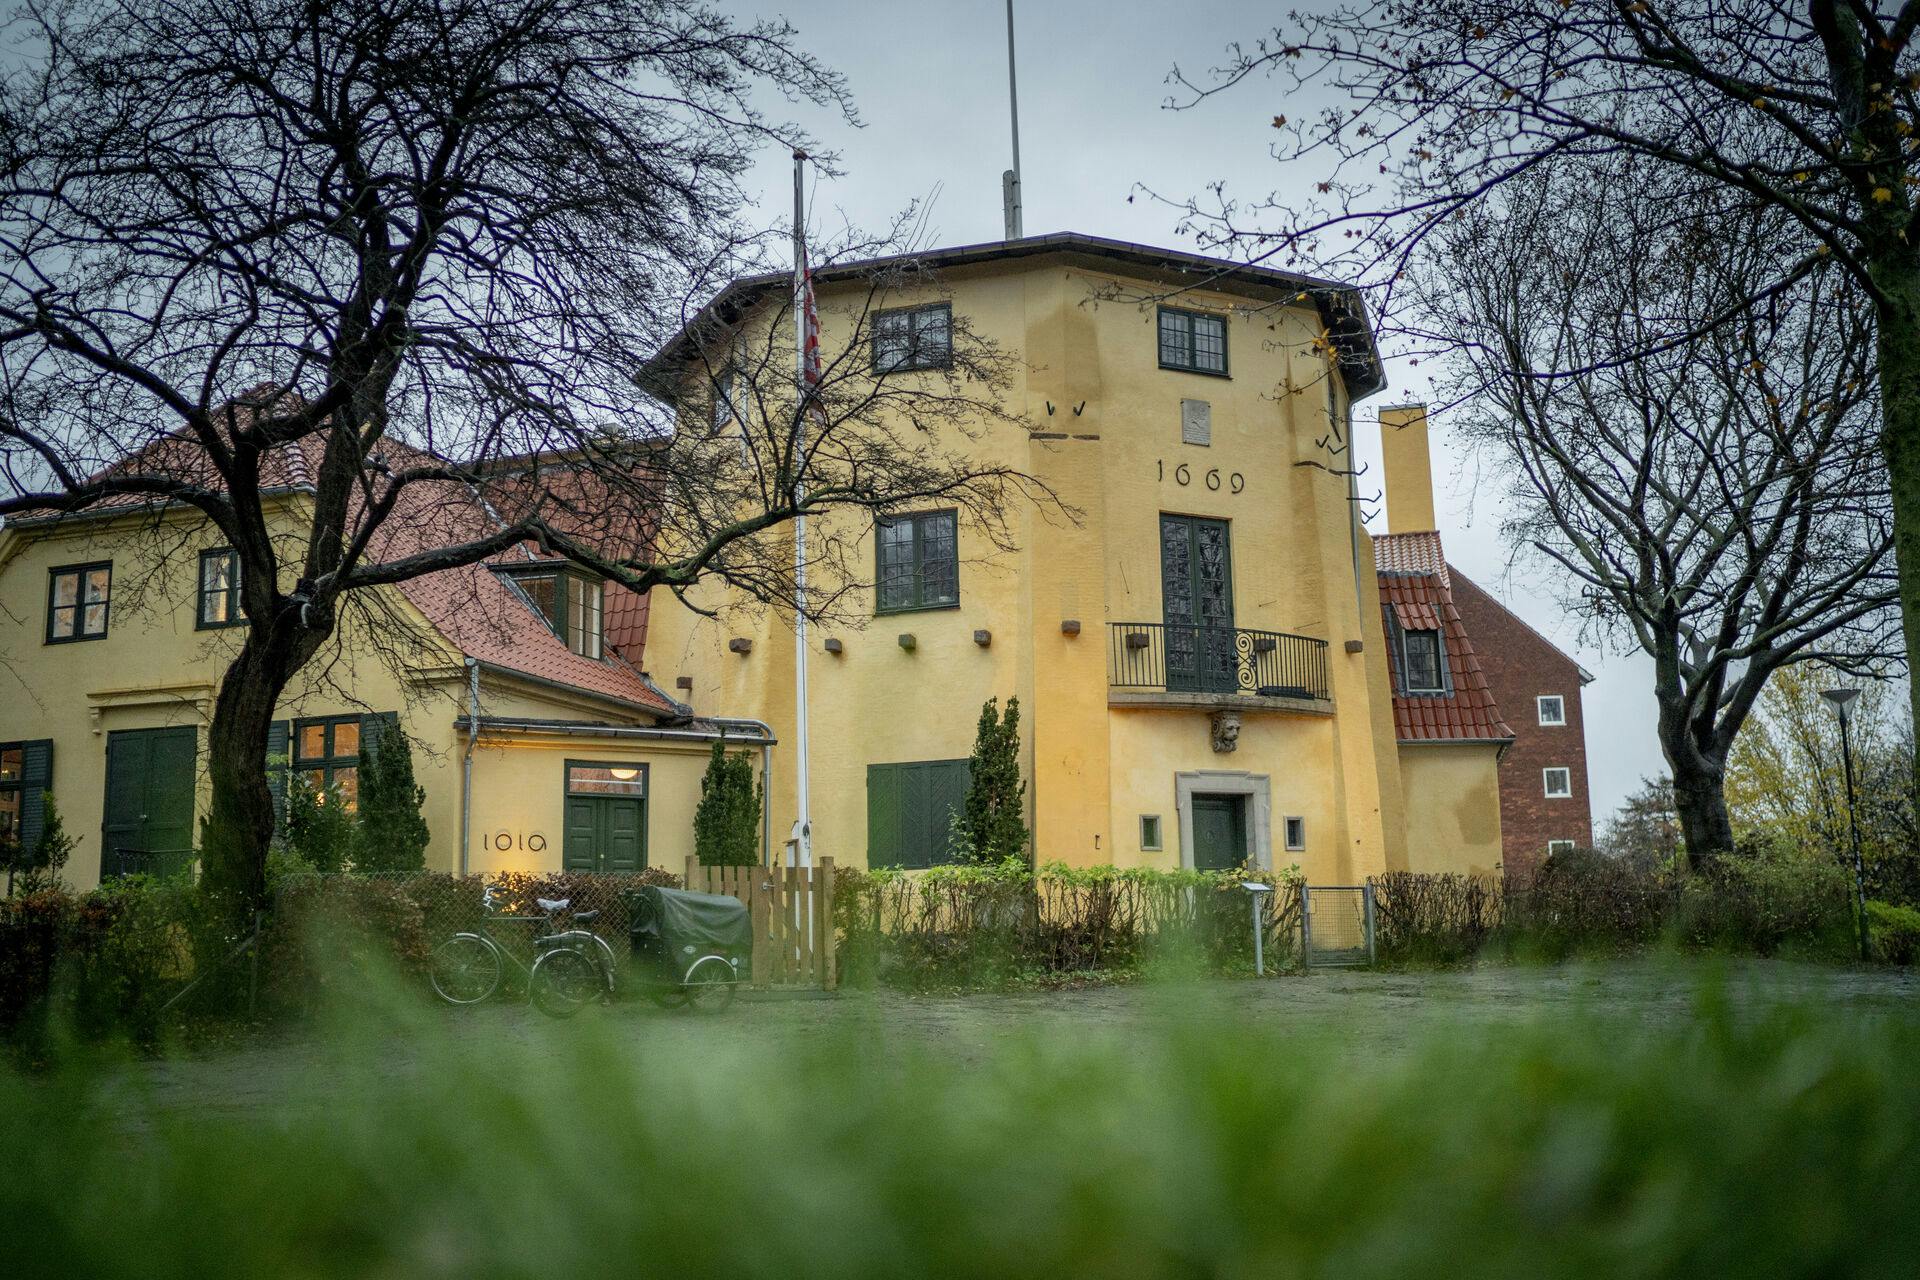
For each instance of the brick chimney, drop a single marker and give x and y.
(1409, 468)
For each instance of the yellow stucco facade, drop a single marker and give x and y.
(1104, 429)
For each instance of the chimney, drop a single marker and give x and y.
(1409, 468)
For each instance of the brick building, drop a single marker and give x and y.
(1543, 776)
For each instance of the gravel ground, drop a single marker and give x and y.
(1373, 1015)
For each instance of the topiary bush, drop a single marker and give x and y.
(333, 937)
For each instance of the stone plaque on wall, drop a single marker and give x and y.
(1196, 422)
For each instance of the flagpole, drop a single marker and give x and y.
(803, 815)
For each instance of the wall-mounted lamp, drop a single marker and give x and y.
(624, 775)
(740, 644)
(683, 682)
(983, 638)
(833, 645)
(1070, 627)
(907, 641)
(1356, 646)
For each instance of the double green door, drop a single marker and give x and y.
(1219, 832)
(149, 807)
(605, 835)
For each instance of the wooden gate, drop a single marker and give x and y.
(792, 909)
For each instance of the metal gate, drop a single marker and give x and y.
(1336, 924)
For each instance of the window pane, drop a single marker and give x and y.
(213, 607)
(1173, 338)
(723, 399)
(313, 742)
(1423, 661)
(1210, 344)
(544, 592)
(606, 780)
(896, 564)
(939, 560)
(97, 580)
(346, 738)
(66, 590)
(316, 780)
(9, 812)
(11, 759)
(63, 622)
(892, 341)
(96, 620)
(933, 337)
(346, 780)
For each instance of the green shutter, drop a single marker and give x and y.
(36, 777)
(910, 811)
(373, 725)
(279, 736)
(1396, 648)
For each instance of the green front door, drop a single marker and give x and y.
(149, 808)
(605, 834)
(1219, 832)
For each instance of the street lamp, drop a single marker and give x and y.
(1842, 701)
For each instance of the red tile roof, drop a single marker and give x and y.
(1412, 570)
(478, 612)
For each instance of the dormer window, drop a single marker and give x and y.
(1423, 662)
(569, 601)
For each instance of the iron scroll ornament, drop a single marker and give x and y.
(1213, 478)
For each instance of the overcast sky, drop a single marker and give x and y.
(930, 81)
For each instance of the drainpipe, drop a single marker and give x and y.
(466, 779)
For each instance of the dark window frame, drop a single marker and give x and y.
(1159, 842)
(919, 603)
(1192, 364)
(1439, 685)
(333, 761)
(914, 360)
(566, 578)
(1289, 826)
(236, 607)
(720, 387)
(80, 604)
(643, 772)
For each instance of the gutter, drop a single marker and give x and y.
(585, 729)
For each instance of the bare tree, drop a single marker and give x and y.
(409, 256)
(1424, 107)
(1712, 496)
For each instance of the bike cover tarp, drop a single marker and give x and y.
(703, 921)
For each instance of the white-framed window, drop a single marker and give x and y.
(1296, 832)
(1149, 832)
(1559, 846)
(1559, 782)
(723, 408)
(1552, 707)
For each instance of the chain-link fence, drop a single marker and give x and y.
(1336, 925)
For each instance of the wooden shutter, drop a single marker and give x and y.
(886, 816)
(372, 726)
(910, 810)
(946, 783)
(36, 778)
(279, 739)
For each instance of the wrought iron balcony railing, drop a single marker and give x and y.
(1176, 657)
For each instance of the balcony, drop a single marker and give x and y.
(1178, 665)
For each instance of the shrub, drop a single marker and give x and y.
(319, 829)
(1433, 919)
(332, 936)
(992, 825)
(36, 869)
(1894, 932)
(726, 824)
(390, 835)
(1764, 898)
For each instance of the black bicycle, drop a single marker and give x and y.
(688, 952)
(470, 966)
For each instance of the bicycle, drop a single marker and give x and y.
(688, 949)
(470, 966)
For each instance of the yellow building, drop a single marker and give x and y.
(1199, 654)
(1212, 668)
(118, 623)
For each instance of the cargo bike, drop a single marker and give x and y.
(689, 950)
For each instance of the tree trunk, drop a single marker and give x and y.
(1700, 799)
(1898, 320)
(239, 825)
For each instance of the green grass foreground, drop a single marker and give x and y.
(1780, 1139)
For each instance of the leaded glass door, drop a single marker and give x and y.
(1196, 585)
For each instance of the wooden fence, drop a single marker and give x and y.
(792, 908)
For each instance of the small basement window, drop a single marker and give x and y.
(1559, 846)
(1296, 834)
(1552, 707)
(1559, 783)
(1149, 832)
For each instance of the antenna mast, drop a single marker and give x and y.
(1010, 180)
